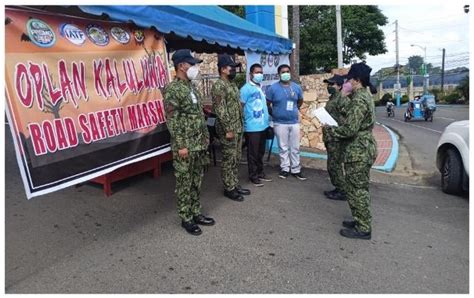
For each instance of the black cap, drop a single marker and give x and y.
(359, 71)
(336, 79)
(226, 60)
(184, 55)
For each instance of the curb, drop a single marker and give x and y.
(392, 159)
(387, 167)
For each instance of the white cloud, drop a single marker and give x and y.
(433, 26)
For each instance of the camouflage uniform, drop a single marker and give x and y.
(226, 105)
(360, 153)
(188, 129)
(334, 147)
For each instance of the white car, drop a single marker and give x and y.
(452, 158)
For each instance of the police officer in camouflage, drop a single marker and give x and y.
(189, 140)
(229, 126)
(360, 151)
(334, 147)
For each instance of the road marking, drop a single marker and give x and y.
(450, 119)
(422, 127)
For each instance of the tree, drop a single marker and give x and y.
(414, 63)
(464, 87)
(361, 35)
(235, 9)
(295, 28)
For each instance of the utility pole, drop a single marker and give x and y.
(339, 36)
(295, 56)
(398, 87)
(442, 71)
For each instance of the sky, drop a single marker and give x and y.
(434, 26)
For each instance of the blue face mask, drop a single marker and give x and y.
(258, 78)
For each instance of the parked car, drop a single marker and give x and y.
(452, 158)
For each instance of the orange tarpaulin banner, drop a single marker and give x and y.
(84, 97)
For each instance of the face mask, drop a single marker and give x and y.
(347, 87)
(285, 77)
(331, 90)
(258, 78)
(192, 72)
(232, 74)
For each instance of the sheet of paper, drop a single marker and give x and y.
(324, 117)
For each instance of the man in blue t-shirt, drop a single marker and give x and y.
(255, 124)
(286, 97)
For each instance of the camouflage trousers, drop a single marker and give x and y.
(231, 155)
(335, 164)
(357, 176)
(189, 173)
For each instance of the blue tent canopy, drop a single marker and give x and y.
(206, 23)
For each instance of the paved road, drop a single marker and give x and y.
(420, 137)
(283, 239)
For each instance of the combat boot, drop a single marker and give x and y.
(242, 191)
(204, 220)
(337, 196)
(191, 227)
(349, 224)
(233, 195)
(355, 234)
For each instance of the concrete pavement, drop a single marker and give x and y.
(282, 239)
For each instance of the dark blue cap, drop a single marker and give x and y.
(184, 55)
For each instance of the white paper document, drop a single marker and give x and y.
(324, 117)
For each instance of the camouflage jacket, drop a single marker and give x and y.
(226, 105)
(356, 129)
(185, 117)
(336, 108)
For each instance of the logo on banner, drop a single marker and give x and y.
(139, 36)
(97, 35)
(40, 33)
(120, 35)
(263, 60)
(73, 34)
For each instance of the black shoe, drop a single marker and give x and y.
(349, 224)
(242, 191)
(299, 176)
(233, 195)
(354, 234)
(264, 177)
(257, 182)
(330, 192)
(204, 220)
(283, 174)
(337, 196)
(191, 228)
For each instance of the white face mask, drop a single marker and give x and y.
(192, 72)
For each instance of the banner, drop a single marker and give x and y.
(269, 62)
(84, 97)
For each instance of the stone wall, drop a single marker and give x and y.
(315, 96)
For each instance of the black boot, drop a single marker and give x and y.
(191, 227)
(337, 196)
(233, 195)
(355, 234)
(349, 224)
(330, 192)
(242, 191)
(204, 220)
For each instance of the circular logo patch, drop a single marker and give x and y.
(97, 35)
(40, 33)
(139, 35)
(120, 35)
(73, 34)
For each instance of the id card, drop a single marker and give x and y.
(193, 97)
(290, 105)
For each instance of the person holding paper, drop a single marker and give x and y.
(286, 97)
(334, 147)
(360, 151)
